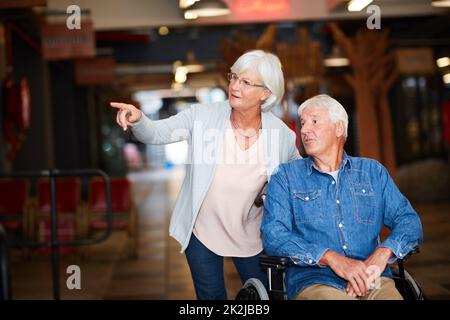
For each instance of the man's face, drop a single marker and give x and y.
(318, 133)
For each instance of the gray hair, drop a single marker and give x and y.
(268, 67)
(336, 111)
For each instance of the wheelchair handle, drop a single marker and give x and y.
(276, 262)
(414, 251)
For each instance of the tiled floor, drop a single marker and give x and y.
(161, 272)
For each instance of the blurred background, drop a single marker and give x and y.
(62, 62)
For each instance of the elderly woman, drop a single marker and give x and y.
(234, 146)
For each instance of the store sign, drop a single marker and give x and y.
(261, 7)
(415, 61)
(95, 71)
(59, 42)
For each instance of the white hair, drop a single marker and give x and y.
(268, 67)
(336, 111)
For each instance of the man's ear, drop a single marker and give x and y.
(340, 130)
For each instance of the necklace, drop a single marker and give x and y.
(241, 131)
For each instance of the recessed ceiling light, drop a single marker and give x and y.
(336, 62)
(443, 62)
(163, 30)
(441, 3)
(446, 78)
(207, 8)
(358, 5)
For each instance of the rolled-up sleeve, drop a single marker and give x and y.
(400, 217)
(279, 238)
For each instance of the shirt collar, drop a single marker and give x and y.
(346, 161)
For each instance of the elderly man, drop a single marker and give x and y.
(326, 211)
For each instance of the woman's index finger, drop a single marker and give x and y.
(120, 105)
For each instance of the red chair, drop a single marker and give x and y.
(65, 231)
(68, 206)
(14, 205)
(123, 208)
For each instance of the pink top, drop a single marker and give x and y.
(228, 223)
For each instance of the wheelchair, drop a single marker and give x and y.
(275, 267)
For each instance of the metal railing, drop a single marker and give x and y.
(54, 243)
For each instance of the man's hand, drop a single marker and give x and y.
(375, 265)
(352, 270)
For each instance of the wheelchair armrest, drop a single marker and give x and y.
(401, 267)
(277, 263)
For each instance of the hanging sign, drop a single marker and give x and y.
(60, 42)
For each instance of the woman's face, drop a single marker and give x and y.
(242, 93)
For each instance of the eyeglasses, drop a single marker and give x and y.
(245, 82)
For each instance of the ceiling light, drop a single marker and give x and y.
(358, 5)
(177, 86)
(440, 3)
(336, 62)
(190, 16)
(163, 31)
(443, 62)
(336, 59)
(194, 68)
(180, 76)
(446, 78)
(208, 8)
(186, 3)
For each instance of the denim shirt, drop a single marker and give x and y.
(307, 212)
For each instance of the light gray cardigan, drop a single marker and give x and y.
(203, 126)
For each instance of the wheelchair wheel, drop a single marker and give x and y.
(253, 290)
(408, 287)
(415, 292)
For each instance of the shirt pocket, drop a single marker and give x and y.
(364, 204)
(308, 206)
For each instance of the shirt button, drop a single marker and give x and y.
(310, 261)
(340, 225)
(400, 254)
(337, 201)
(307, 198)
(364, 190)
(344, 247)
(332, 182)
